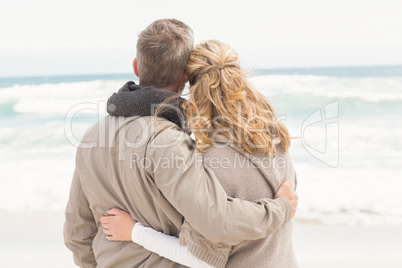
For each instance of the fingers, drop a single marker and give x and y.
(114, 211)
(296, 201)
(117, 225)
(109, 235)
(105, 220)
(107, 231)
(288, 184)
(111, 238)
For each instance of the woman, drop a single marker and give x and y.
(236, 128)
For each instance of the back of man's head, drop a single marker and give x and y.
(163, 49)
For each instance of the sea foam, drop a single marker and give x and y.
(37, 157)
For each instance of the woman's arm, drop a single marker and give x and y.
(120, 226)
(165, 246)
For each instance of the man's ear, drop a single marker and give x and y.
(185, 77)
(135, 67)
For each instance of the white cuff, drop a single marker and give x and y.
(135, 232)
(165, 246)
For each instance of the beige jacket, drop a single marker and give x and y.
(151, 170)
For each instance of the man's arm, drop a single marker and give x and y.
(79, 227)
(197, 194)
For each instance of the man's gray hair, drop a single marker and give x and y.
(163, 49)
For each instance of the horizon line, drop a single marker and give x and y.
(252, 70)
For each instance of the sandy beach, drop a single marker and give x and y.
(34, 239)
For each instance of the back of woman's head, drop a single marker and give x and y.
(223, 102)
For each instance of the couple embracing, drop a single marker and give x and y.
(145, 194)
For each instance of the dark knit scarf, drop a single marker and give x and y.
(134, 99)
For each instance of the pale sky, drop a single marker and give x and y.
(49, 37)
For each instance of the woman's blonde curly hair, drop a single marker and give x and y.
(222, 101)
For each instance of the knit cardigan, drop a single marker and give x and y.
(248, 177)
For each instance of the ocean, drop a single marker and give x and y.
(347, 146)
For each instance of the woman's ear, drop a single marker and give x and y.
(135, 67)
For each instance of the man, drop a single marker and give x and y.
(151, 170)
